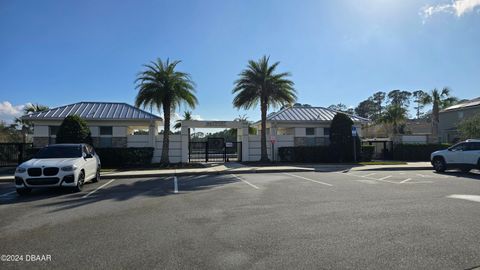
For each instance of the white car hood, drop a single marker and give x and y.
(50, 162)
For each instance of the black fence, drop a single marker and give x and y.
(215, 150)
(12, 154)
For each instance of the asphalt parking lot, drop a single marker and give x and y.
(371, 219)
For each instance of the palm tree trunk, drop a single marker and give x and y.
(435, 120)
(166, 133)
(263, 134)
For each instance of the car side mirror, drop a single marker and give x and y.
(88, 156)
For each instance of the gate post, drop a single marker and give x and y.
(185, 143)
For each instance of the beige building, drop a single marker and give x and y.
(111, 124)
(450, 117)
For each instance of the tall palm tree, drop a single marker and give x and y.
(25, 125)
(259, 84)
(394, 115)
(163, 87)
(439, 100)
(187, 115)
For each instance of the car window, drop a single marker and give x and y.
(458, 147)
(59, 152)
(473, 146)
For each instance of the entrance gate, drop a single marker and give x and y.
(214, 150)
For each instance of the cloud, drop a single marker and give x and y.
(8, 112)
(457, 7)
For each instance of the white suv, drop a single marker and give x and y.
(463, 155)
(59, 165)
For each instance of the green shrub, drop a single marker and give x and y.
(125, 157)
(416, 152)
(367, 152)
(73, 130)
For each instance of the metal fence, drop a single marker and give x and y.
(12, 154)
(215, 150)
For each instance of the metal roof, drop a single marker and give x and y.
(309, 114)
(94, 111)
(462, 105)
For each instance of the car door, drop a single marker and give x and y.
(455, 154)
(472, 153)
(90, 164)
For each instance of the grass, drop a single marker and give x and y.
(383, 163)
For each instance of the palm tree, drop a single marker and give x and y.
(161, 86)
(25, 125)
(187, 115)
(259, 84)
(394, 115)
(439, 100)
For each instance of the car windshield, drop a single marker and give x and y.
(60, 152)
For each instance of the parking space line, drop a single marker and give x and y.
(370, 174)
(175, 185)
(6, 194)
(308, 179)
(95, 190)
(386, 177)
(406, 180)
(473, 198)
(245, 181)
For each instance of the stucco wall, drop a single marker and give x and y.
(449, 120)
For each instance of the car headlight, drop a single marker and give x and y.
(69, 168)
(20, 170)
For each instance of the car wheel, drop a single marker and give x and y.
(81, 180)
(97, 177)
(23, 191)
(439, 165)
(465, 170)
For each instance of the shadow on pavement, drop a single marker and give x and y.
(126, 191)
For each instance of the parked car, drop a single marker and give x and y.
(58, 165)
(463, 155)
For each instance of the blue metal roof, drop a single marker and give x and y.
(309, 114)
(94, 111)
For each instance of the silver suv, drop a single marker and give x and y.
(463, 155)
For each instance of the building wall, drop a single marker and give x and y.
(448, 121)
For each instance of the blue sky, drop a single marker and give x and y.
(61, 52)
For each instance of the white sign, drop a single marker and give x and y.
(228, 144)
(273, 139)
(354, 131)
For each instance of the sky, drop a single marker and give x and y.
(339, 51)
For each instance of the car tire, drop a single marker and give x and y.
(80, 182)
(465, 170)
(439, 164)
(97, 177)
(23, 191)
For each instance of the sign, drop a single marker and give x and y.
(216, 123)
(228, 144)
(354, 131)
(273, 139)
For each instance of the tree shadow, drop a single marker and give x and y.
(153, 188)
(474, 175)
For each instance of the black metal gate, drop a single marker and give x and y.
(12, 154)
(214, 150)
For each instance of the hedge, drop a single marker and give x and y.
(307, 154)
(125, 157)
(367, 152)
(416, 152)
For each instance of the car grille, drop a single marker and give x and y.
(34, 172)
(50, 171)
(43, 181)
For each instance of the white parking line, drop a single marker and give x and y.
(386, 177)
(406, 180)
(246, 182)
(6, 194)
(308, 179)
(370, 174)
(473, 198)
(95, 190)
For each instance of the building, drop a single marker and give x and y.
(450, 117)
(308, 125)
(111, 124)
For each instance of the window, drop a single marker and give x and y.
(458, 147)
(473, 146)
(326, 131)
(106, 142)
(310, 141)
(106, 130)
(310, 131)
(53, 130)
